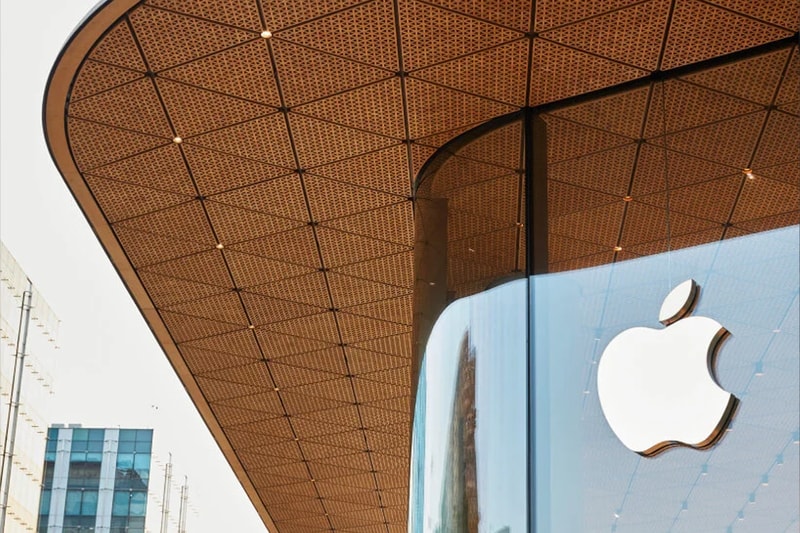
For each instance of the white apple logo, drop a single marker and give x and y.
(656, 386)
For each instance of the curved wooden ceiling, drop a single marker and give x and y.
(248, 166)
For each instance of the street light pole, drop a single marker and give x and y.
(13, 407)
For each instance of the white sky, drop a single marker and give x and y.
(111, 371)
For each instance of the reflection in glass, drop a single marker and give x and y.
(469, 440)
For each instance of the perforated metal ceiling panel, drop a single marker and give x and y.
(248, 165)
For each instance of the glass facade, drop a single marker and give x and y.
(535, 249)
(470, 421)
(95, 479)
(472, 426)
(585, 479)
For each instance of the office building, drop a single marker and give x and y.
(36, 393)
(95, 479)
(339, 217)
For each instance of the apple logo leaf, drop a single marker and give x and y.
(678, 302)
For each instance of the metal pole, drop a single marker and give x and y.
(13, 406)
(165, 496)
(184, 504)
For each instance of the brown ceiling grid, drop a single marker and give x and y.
(121, 200)
(95, 144)
(600, 34)
(252, 163)
(98, 77)
(701, 30)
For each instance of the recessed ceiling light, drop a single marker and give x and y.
(220, 246)
(627, 198)
(266, 34)
(177, 140)
(618, 248)
(748, 172)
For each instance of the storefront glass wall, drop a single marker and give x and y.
(586, 480)
(579, 218)
(469, 448)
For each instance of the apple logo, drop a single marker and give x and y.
(656, 386)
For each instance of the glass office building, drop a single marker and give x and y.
(95, 479)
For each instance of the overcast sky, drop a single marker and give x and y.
(111, 371)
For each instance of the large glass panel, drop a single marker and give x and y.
(586, 479)
(44, 502)
(79, 438)
(144, 446)
(84, 474)
(47, 478)
(121, 500)
(73, 504)
(89, 505)
(138, 503)
(141, 466)
(469, 436)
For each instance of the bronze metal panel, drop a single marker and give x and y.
(379, 106)
(369, 38)
(263, 139)
(779, 12)
(424, 43)
(133, 106)
(599, 34)
(559, 72)
(434, 108)
(162, 168)
(700, 31)
(120, 200)
(169, 39)
(94, 144)
(242, 71)
(486, 73)
(96, 77)
(754, 79)
(688, 106)
(241, 13)
(551, 13)
(118, 48)
(307, 74)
